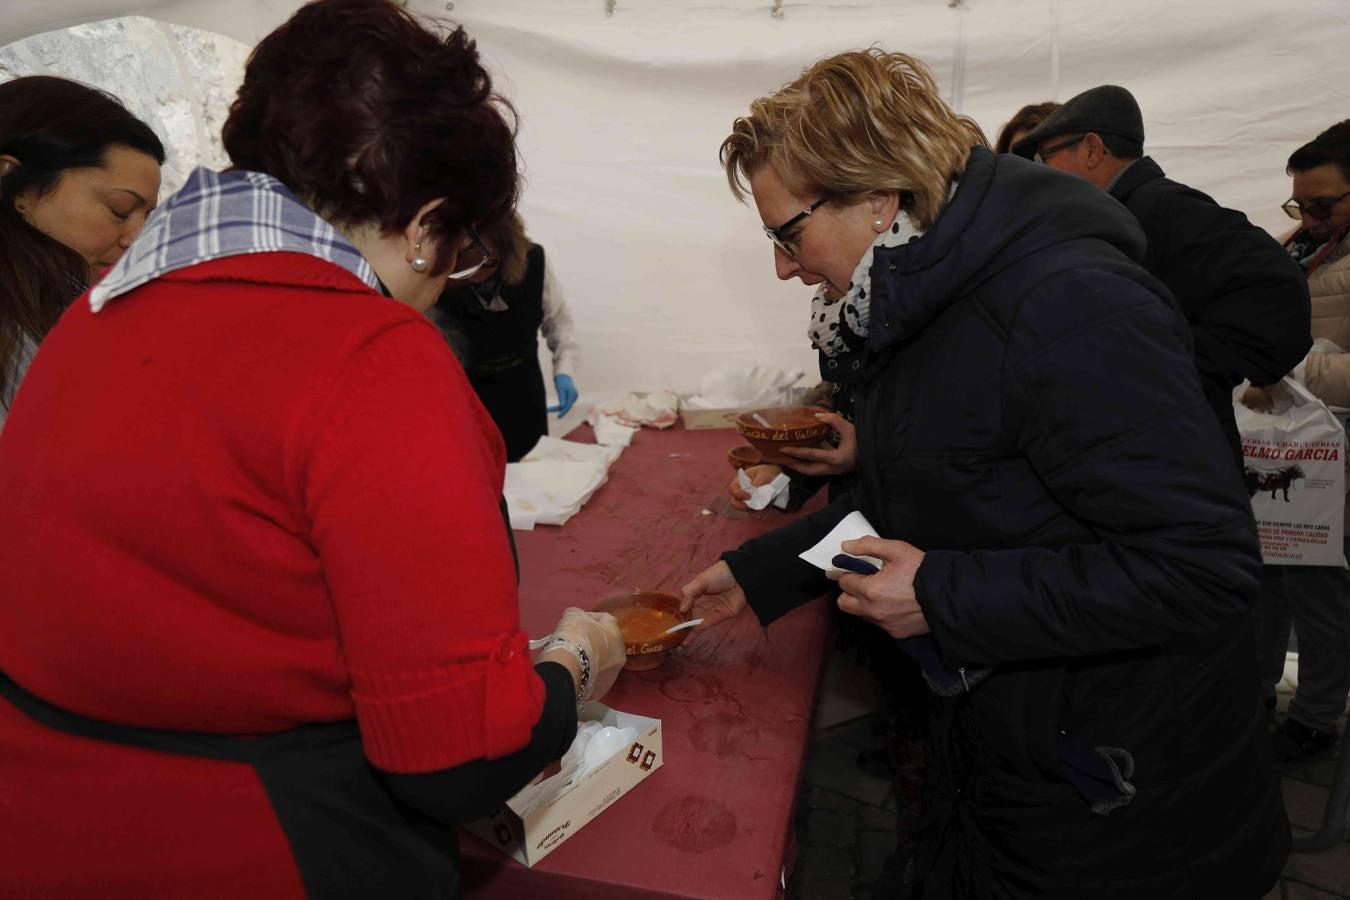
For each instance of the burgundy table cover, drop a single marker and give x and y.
(734, 702)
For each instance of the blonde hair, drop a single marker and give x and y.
(858, 122)
(508, 243)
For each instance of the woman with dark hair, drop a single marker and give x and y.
(493, 320)
(1027, 118)
(78, 177)
(257, 637)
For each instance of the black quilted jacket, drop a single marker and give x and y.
(1029, 414)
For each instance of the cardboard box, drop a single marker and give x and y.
(528, 839)
(698, 419)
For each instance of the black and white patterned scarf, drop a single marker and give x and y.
(839, 327)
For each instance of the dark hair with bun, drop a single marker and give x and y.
(367, 114)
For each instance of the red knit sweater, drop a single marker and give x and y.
(249, 495)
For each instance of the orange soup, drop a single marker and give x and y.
(644, 624)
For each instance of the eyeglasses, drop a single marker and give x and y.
(1319, 209)
(1045, 153)
(777, 235)
(470, 258)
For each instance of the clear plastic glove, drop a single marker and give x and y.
(827, 461)
(599, 635)
(567, 394)
(713, 596)
(758, 475)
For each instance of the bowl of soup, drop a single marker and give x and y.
(771, 429)
(643, 618)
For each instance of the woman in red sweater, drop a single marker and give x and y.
(257, 638)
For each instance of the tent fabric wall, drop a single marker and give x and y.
(622, 115)
(179, 80)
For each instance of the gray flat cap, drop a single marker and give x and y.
(1104, 110)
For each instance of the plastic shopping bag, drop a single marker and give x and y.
(1294, 468)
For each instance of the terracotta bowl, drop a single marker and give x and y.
(744, 457)
(789, 426)
(643, 616)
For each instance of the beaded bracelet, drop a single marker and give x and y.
(583, 657)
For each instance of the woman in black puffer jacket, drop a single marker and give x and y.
(1068, 550)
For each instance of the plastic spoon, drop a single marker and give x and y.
(690, 624)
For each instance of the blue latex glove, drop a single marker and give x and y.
(567, 394)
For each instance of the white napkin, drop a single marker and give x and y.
(616, 422)
(591, 748)
(554, 480)
(745, 388)
(537, 794)
(610, 431)
(573, 451)
(775, 492)
(656, 409)
(851, 527)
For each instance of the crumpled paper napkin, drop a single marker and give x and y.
(616, 423)
(592, 747)
(745, 388)
(775, 492)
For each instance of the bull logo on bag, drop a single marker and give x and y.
(1277, 480)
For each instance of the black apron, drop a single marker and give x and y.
(350, 839)
(502, 355)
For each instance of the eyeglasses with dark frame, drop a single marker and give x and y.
(1319, 209)
(471, 258)
(1043, 154)
(778, 235)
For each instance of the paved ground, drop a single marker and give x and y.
(846, 816)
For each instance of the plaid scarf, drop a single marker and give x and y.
(221, 214)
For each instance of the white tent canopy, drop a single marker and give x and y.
(622, 115)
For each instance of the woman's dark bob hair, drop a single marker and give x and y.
(367, 114)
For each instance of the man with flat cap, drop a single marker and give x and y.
(1245, 298)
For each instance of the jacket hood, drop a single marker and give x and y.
(1005, 208)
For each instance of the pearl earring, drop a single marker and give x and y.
(419, 263)
(878, 225)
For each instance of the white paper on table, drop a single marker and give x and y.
(574, 451)
(775, 492)
(554, 480)
(850, 528)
